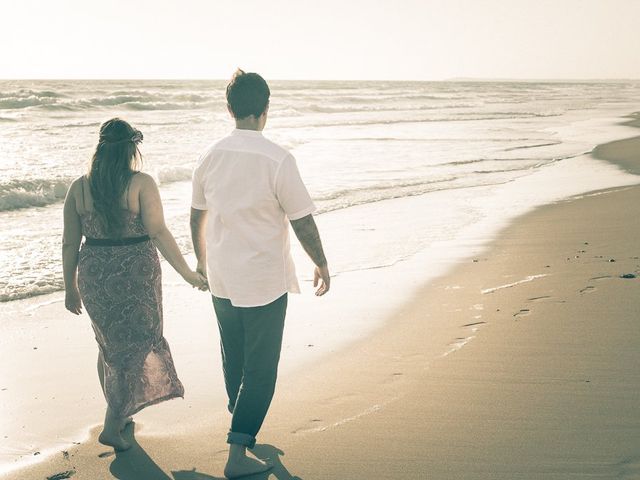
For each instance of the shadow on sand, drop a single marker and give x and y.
(262, 451)
(135, 464)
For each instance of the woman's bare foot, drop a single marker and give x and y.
(115, 440)
(110, 436)
(240, 465)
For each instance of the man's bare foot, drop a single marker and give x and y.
(115, 440)
(125, 421)
(239, 465)
(245, 466)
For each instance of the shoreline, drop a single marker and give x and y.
(623, 153)
(308, 382)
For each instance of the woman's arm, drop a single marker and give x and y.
(71, 237)
(153, 220)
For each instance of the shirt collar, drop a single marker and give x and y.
(246, 133)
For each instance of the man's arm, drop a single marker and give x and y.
(307, 232)
(198, 224)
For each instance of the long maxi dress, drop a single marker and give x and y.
(121, 289)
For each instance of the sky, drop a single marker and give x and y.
(320, 39)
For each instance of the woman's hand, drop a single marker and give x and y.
(72, 301)
(197, 280)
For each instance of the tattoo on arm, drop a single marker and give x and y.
(307, 232)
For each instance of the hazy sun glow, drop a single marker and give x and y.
(329, 39)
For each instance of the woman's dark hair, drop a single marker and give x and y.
(114, 162)
(247, 94)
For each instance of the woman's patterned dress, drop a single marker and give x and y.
(122, 293)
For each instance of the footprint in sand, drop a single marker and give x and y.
(392, 378)
(522, 313)
(314, 425)
(588, 289)
(537, 299)
(62, 475)
(338, 400)
(545, 299)
(473, 324)
(412, 357)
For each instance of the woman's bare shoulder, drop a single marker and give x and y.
(141, 179)
(76, 185)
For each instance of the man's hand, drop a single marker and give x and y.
(321, 273)
(307, 232)
(202, 270)
(72, 301)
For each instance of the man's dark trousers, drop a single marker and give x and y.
(250, 341)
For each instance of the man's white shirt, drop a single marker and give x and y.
(251, 188)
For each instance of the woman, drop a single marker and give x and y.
(116, 274)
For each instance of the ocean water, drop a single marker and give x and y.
(356, 143)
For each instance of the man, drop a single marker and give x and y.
(245, 188)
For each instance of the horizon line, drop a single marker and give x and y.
(449, 79)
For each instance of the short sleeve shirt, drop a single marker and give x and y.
(251, 188)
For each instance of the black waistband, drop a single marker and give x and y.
(114, 242)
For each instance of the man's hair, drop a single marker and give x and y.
(247, 94)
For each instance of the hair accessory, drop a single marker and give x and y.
(137, 137)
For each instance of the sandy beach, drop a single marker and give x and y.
(519, 363)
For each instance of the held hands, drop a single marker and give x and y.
(321, 275)
(197, 280)
(201, 269)
(72, 301)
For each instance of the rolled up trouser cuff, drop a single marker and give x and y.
(241, 439)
